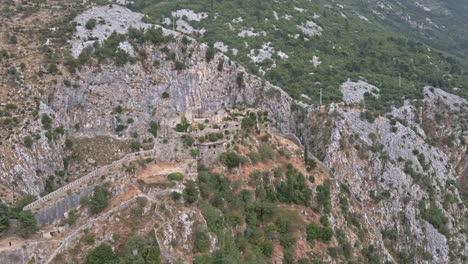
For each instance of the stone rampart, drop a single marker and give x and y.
(85, 180)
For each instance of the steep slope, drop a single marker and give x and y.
(308, 46)
(389, 186)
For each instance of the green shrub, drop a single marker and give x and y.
(254, 157)
(4, 217)
(90, 24)
(12, 40)
(121, 57)
(28, 141)
(89, 239)
(190, 193)
(118, 109)
(102, 254)
(240, 79)
(153, 128)
(210, 52)
(71, 220)
(267, 248)
(323, 196)
(165, 95)
(135, 146)
(99, 200)
(176, 176)
(435, 217)
(294, 189)
(179, 66)
(277, 172)
(137, 211)
(220, 65)
(188, 140)
(248, 123)
(195, 152)
(215, 136)
(230, 159)
(367, 115)
(68, 144)
(266, 152)
(46, 122)
(176, 196)
(27, 224)
(324, 220)
(153, 256)
(201, 241)
(182, 126)
(311, 178)
(315, 232)
(311, 164)
(120, 128)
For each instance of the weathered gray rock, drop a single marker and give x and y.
(383, 161)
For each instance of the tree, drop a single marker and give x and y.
(153, 128)
(190, 192)
(71, 220)
(135, 243)
(154, 255)
(4, 217)
(240, 79)
(121, 57)
(27, 223)
(99, 200)
(314, 231)
(28, 141)
(46, 121)
(210, 52)
(201, 241)
(230, 160)
(248, 123)
(306, 154)
(102, 254)
(90, 24)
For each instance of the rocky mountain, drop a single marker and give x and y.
(163, 136)
(311, 46)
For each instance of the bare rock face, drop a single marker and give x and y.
(178, 234)
(24, 169)
(97, 24)
(354, 92)
(30, 253)
(88, 108)
(405, 184)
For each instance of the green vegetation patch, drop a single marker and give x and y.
(388, 53)
(176, 176)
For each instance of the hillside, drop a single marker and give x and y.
(125, 141)
(305, 46)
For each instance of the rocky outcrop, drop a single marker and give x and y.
(31, 253)
(23, 169)
(406, 185)
(138, 89)
(87, 107)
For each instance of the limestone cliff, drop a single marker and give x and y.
(398, 172)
